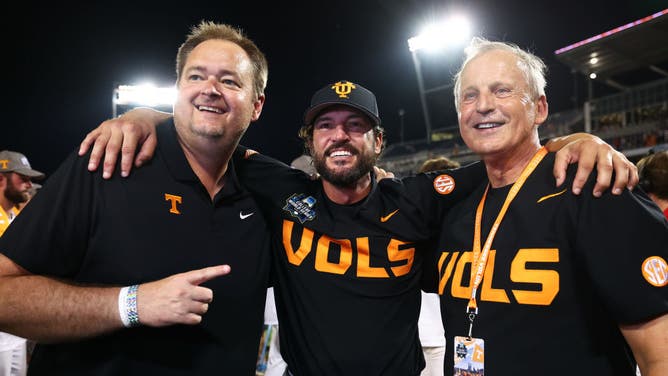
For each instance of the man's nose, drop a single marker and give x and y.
(485, 102)
(341, 132)
(211, 86)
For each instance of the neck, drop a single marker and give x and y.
(348, 195)
(209, 160)
(6, 204)
(661, 203)
(506, 168)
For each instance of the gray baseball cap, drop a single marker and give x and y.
(11, 161)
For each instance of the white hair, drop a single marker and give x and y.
(531, 65)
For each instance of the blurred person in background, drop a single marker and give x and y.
(16, 189)
(653, 173)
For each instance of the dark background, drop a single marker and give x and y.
(66, 58)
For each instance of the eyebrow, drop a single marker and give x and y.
(222, 72)
(327, 117)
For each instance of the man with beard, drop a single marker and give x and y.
(16, 180)
(15, 184)
(348, 251)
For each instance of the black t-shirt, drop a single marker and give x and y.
(158, 222)
(348, 276)
(563, 272)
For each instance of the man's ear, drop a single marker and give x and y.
(257, 107)
(378, 147)
(541, 110)
(309, 147)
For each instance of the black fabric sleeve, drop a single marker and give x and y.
(616, 236)
(434, 199)
(267, 178)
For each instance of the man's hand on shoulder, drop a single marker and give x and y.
(588, 151)
(123, 134)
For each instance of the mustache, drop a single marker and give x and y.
(344, 145)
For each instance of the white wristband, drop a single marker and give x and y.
(122, 297)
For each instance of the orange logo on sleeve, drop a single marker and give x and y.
(655, 271)
(444, 184)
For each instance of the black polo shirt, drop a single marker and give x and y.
(158, 222)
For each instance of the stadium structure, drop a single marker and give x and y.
(630, 60)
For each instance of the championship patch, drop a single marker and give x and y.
(249, 152)
(300, 206)
(444, 184)
(655, 271)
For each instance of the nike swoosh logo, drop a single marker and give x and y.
(244, 216)
(387, 217)
(550, 196)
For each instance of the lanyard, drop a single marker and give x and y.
(479, 261)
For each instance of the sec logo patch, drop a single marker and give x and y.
(444, 184)
(655, 271)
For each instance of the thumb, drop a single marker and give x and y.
(199, 276)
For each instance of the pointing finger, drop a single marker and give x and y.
(200, 276)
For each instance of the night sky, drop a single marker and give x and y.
(65, 58)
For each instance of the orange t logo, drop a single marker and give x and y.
(174, 199)
(4, 163)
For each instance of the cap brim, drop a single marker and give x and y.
(312, 112)
(33, 174)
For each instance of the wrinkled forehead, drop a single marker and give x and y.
(496, 66)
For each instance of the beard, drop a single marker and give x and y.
(349, 177)
(14, 195)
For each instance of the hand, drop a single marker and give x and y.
(591, 151)
(177, 299)
(123, 134)
(382, 174)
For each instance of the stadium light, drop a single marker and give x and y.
(142, 95)
(451, 32)
(438, 36)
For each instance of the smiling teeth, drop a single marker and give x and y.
(341, 153)
(211, 109)
(486, 125)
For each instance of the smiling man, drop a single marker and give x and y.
(348, 251)
(534, 279)
(183, 221)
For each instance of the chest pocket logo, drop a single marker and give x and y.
(174, 199)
